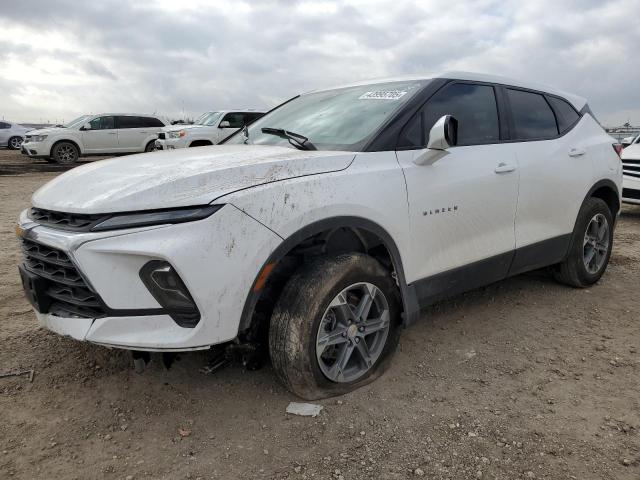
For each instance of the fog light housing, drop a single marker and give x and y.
(166, 286)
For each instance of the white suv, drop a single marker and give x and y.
(320, 230)
(12, 134)
(631, 171)
(209, 129)
(106, 133)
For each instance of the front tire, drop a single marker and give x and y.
(591, 245)
(14, 143)
(65, 153)
(335, 326)
(151, 146)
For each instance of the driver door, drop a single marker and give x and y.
(462, 207)
(102, 137)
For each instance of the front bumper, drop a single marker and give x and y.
(217, 258)
(34, 149)
(171, 143)
(631, 190)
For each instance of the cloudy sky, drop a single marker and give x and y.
(63, 58)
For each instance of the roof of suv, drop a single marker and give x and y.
(577, 101)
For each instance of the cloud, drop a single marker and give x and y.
(60, 59)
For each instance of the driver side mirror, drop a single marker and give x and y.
(224, 124)
(443, 134)
(86, 126)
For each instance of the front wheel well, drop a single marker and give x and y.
(200, 143)
(301, 249)
(67, 141)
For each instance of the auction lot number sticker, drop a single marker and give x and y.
(382, 95)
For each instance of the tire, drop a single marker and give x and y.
(151, 146)
(576, 270)
(65, 153)
(305, 306)
(14, 143)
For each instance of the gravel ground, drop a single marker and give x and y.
(522, 379)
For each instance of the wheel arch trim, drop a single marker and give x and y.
(407, 292)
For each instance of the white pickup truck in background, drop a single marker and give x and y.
(209, 129)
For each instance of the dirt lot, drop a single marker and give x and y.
(523, 379)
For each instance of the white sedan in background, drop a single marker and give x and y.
(105, 133)
(209, 129)
(11, 134)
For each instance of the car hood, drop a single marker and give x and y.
(46, 131)
(177, 128)
(632, 152)
(190, 176)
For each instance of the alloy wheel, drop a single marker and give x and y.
(15, 143)
(353, 332)
(596, 243)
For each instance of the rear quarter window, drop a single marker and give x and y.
(566, 115)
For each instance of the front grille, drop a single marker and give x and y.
(631, 193)
(65, 221)
(631, 168)
(70, 294)
(161, 136)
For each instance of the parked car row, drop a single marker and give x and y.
(118, 133)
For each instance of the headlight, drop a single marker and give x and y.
(157, 217)
(38, 138)
(178, 134)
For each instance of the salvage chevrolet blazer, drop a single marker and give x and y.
(321, 229)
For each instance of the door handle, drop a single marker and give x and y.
(505, 168)
(576, 152)
(112, 133)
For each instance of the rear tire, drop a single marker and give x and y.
(14, 143)
(591, 245)
(319, 345)
(65, 153)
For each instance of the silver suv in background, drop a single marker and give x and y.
(11, 134)
(105, 133)
(209, 129)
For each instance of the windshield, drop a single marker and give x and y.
(339, 119)
(209, 118)
(78, 121)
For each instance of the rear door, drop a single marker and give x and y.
(102, 137)
(555, 160)
(462, 207)
(130, 133)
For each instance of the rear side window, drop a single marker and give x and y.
(566, 115)
(532, 116)
(102, 123)
(474, 106)
(146, 122)
(128, 122)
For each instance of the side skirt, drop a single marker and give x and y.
(484, 272)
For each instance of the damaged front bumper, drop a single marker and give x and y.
(95, 293)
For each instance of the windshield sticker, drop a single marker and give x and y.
(383, 95)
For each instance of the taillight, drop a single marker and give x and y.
(618, 148)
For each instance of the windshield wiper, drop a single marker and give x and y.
(299, 141)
